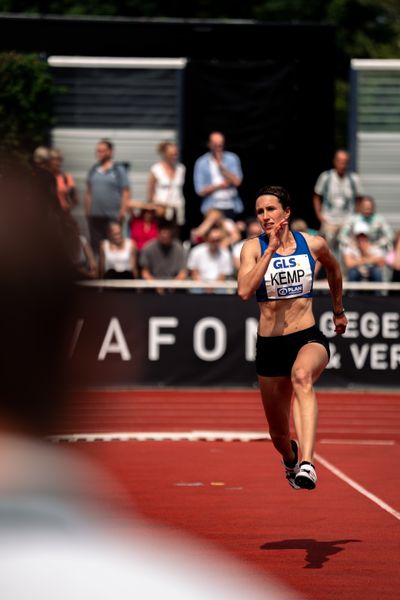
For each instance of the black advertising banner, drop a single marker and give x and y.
(125, 338)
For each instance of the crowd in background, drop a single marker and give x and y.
(131, 238)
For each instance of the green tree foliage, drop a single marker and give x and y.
(27, 94)
(366, 28)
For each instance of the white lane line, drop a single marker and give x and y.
(359, 442)
(358, 431)
(162, 436)
(356, 486)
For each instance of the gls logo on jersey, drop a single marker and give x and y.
(288, 276)
(284, 263)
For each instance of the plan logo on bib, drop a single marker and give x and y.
(290, 290)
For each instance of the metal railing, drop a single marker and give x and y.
(229, 286)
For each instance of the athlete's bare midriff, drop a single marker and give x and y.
(280, 317)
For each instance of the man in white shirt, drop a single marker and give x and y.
(335, 195)
(209, 261)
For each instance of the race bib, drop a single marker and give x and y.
(288, 277)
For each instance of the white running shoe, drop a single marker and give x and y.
(306, 477)
(291, 472)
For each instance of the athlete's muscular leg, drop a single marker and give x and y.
(297, 420)
(310, 362)
(276, 393)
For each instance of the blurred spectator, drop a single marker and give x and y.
(302, 226)
(41, 157)
(165, 184)
(164, 257)
(61, 533)
(379, 232)
(117, 255)
(392, 258)
(66, 188)
(44, 181)
(216, 218)
(253, 229)
(210, 261)
(86, 264)
(217, 175)
(144, 227)
(107, 193)
(363, 260)
(82, 256)
(335, 195)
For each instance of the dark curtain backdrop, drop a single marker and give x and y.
(272, 119)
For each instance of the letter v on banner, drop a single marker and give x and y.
(359, 354)
(119, 346)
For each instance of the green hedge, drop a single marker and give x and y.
(27, 94)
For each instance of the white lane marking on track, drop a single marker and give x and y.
(359, 442)
(161, 436)
(357, 431)
(356, 486)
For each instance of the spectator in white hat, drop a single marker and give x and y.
(363, 260)
(380, 233)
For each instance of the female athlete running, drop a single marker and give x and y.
(278, 266)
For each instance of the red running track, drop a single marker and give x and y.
(334, 542)
(342, 415)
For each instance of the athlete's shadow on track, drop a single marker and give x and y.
(317, 552)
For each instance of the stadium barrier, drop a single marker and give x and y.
(128, 335)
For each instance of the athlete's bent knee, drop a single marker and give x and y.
(301, 378)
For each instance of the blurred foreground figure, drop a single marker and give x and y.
(55, 538)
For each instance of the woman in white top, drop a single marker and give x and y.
(165, 184)
(117, 255)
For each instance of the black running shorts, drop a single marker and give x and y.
(276, 355)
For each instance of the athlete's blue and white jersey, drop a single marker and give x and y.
(289, 276)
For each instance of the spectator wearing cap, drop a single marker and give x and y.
(380, 233)
(363, 260)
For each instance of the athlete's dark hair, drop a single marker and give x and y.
(278, 191)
